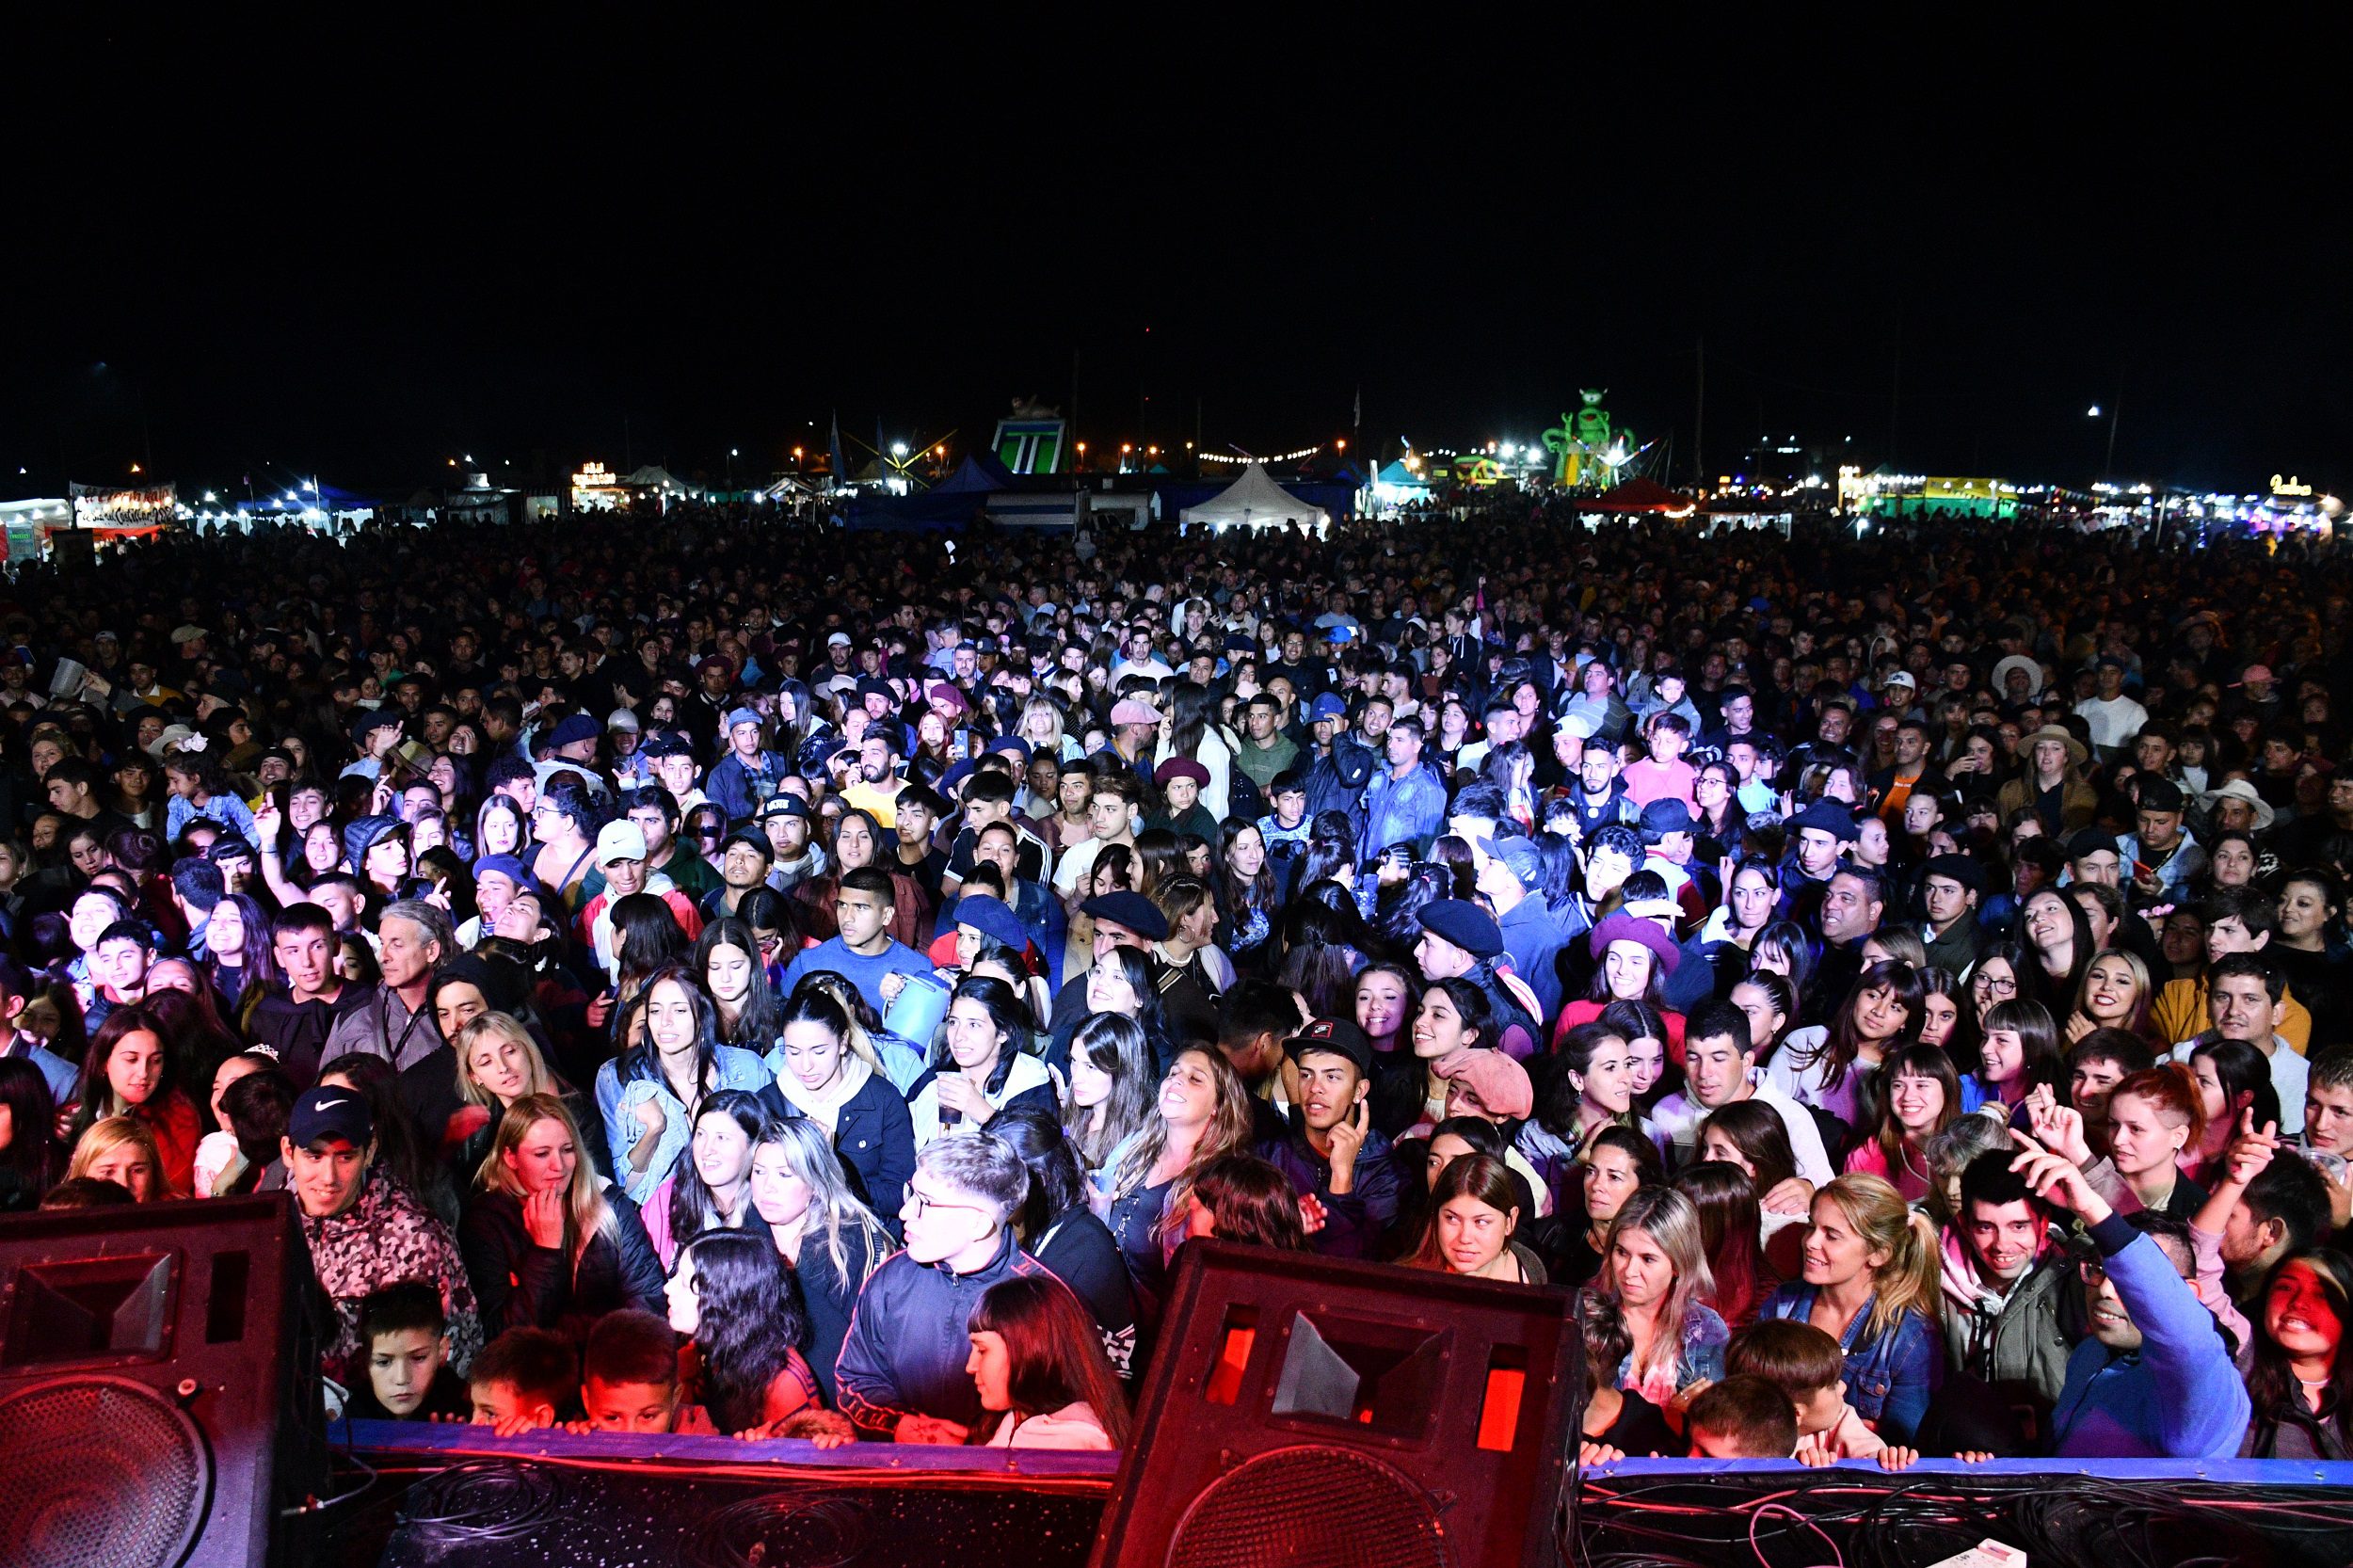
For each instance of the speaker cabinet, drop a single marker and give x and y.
(1312, 1412)
(159, 1400)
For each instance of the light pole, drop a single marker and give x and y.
(2108, 469)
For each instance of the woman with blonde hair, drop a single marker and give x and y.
(1041, 725)
(550, 1244)
(1655, 1264)
(2115, 993)
(1201, 1112)
(827, 1235)
(499, 1061)
(122, 1150)
(1871, 1283)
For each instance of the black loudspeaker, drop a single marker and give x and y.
(1308, 1413)
(159, 1397)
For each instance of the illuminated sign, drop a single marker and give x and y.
(2289, 486)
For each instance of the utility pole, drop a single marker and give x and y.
(1698, 423)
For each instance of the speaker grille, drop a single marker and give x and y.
(770, 1531)
(1310, 1508)
(97, 1471)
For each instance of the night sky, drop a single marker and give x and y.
(363, 255)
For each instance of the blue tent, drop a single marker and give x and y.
(953, 503)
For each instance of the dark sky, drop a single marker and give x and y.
(362, 253)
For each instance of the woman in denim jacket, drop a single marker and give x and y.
(1870, 1282)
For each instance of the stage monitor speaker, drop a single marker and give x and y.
(159, 1400)
(1310, 1412)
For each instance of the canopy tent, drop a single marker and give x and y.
(1254, 501)
(1399, 485)
(1640, 495)
(654, 476)
(954, 502)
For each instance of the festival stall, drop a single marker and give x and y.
(1254, 501)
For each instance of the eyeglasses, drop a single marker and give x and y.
(917, 1205)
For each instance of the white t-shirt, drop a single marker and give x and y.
(2112, 720)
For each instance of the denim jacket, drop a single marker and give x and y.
(1891, 1377)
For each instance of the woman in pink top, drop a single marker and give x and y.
(1918, 1097)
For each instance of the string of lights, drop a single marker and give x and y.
(1299, 455)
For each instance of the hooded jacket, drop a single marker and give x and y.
(2012, 1342)
(387, 1237)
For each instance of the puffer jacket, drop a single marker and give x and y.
(518, 1284)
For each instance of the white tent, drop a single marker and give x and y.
(1254, 501)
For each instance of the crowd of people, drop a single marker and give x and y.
(693, 974)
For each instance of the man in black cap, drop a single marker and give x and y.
(1457, 937)
(784, 818)
(1951, 887)
(366, 1230)
(2162, 859)
(1122, 919)
(376, 732)
(1820, 837)
(1333, 1153)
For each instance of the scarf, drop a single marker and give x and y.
(824, 1106)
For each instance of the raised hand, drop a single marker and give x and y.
(2056, 1179)
(2058, 1127)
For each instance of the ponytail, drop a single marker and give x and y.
(1907, 1282)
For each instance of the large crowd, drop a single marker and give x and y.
(693, 974)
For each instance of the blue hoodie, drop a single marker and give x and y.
(2178, 1395)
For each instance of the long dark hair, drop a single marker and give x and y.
(1322, 946)
(1008, 1013)
(2241, 1069)
(761, 1022)
(2271, 1381)
(1757, 1129)
(1054, 1350)
(1135, 964)
(645, 1062)
(645, 938)
(1331, 845)
(400, 1148)
(693, 1205)
(1731, 1234)
(98, 1095)
(2040, 1059)
(1119, 1047)
(749, 1320)
(1057, 1189)
(1913, 1060)
(32, 1159)
(1843, 1042)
